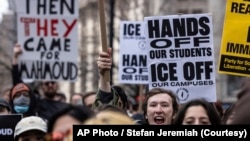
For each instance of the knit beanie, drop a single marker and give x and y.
(18, 88)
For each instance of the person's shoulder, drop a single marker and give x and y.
(51, 102)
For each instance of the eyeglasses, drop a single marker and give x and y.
(49, 82)
(59, 136)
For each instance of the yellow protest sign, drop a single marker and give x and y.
(235, 44)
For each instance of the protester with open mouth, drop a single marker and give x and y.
(160, 106)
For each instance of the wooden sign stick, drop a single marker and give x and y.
(103, 34)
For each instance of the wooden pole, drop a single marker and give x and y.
(140, 97)
(103, 34)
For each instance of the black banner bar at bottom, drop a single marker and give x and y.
(229, 132)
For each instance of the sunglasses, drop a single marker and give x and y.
(59, 136)
(49, 82)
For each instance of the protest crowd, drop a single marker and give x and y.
(47, 115)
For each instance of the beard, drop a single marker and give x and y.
(50, 95)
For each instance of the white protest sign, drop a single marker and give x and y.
(133, 53)
(181, 55)
(47, 32)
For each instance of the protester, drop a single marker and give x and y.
(116, 96)
(132, 106)
(88, 98)
(17, 51)
(30, 128)
(219, 108)
(242, 114)
(60, 97)
(160, 106)
(22, 100)
(106, 93)
(76, 99)
(16, 76)
(47, 102)
(197, 112)
(110, 118)
(49, 105)
(60, 125)
(50, 89)
(4, 107)
(109, 107)
(229, 114)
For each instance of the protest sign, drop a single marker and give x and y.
(235, 44)
(47, 33)
(7, 126)
(133, 53)
(181, 55)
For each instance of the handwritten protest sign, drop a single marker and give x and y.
(133, 53)
(181, 55)
(47, 32)
(235, 44)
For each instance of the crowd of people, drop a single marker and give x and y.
(47, 116)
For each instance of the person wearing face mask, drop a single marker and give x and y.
(22, 100)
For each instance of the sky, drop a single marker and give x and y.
(3, 7)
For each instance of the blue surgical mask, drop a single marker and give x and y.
(21, 109)
(21, 104)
